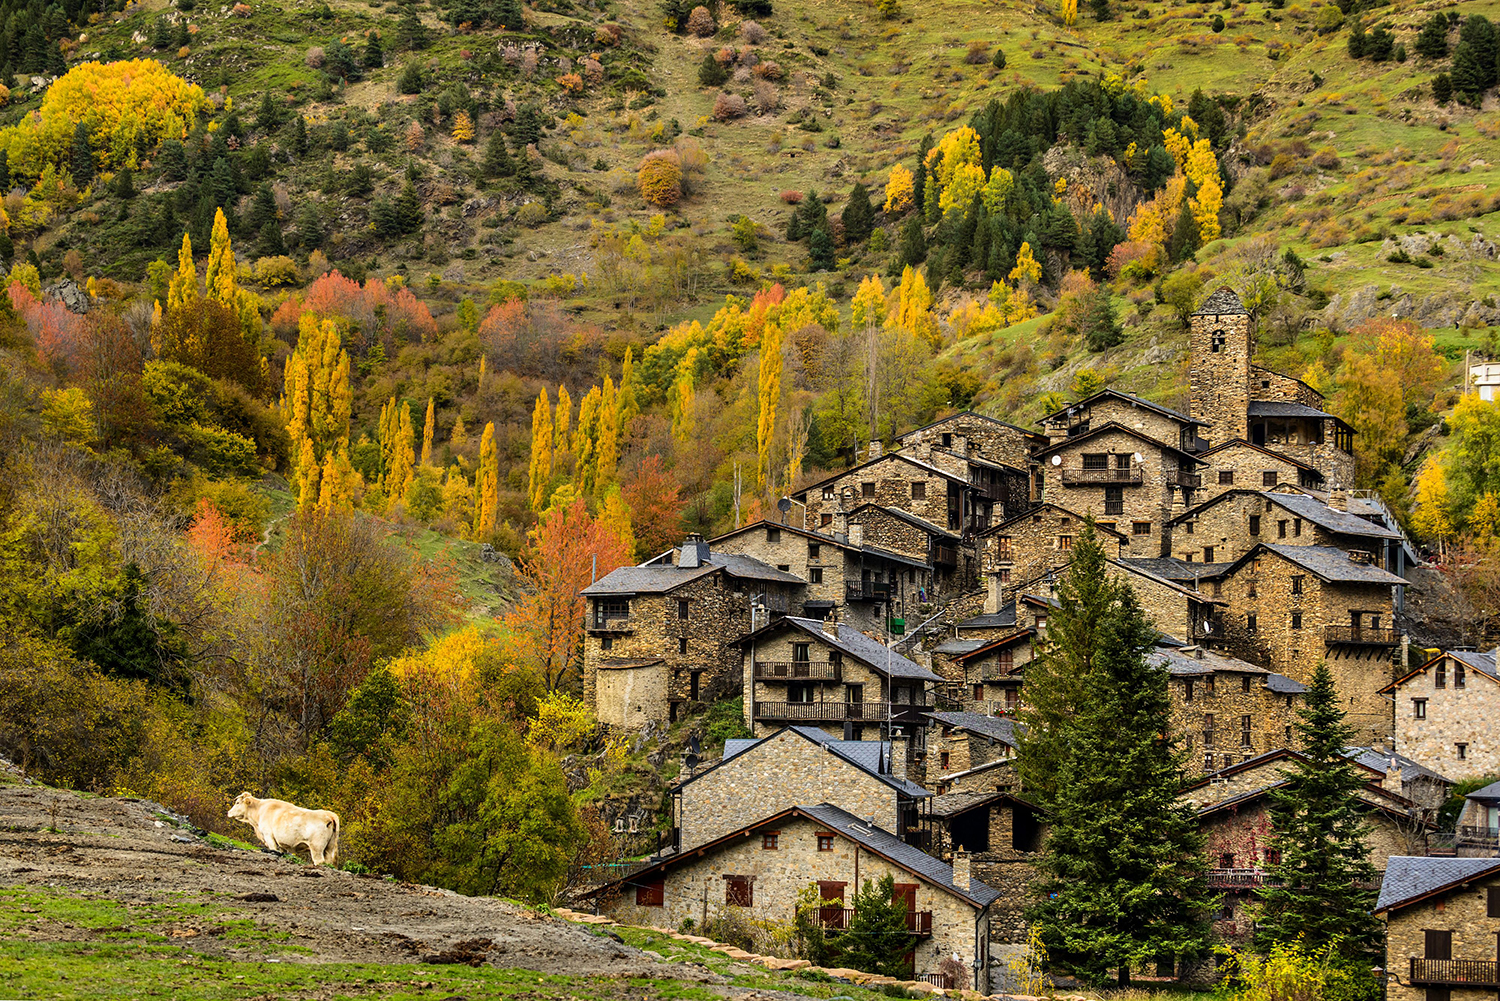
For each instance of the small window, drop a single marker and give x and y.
(1189, 526)
(1458, 674)
(768, 840)
(682, 609)
(1226, 860)
(1244, 682)
(773, 535)
(919, 490)
(1005, 575)
(1288, 733)
(815, 575)
(1218, 589)
(1208, 554)
(801, 652)
(947, 439)
(814, 550)
(1297, 583)
(1492, 902)
(1226, 477)
(1440, 676)
(867, 489)
(1297, 527)
(943, 757)
(1096, 460)
(1268, 478)
(1244, 731)
(1187, 690)
(825, 842)
(607, 643)
(1296, 620)
(1140, 528)
(1208, 762)
(1065, 542)
(828, 493)
(682, 644)
(1463, 751)
(824, 520)
(1208, 684)
(1255, 524)
(784, 567)
(1250, 623)
(1418, 708)
(978, 694)
(1281, 529)
(739, 891)
(1216, 341)
(652, 894)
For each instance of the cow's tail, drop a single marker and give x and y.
(331, 856)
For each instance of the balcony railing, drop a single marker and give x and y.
(987, 490)
(1193, 443)
(1468, 834)
(996, 672)
(939, 980)
(1235, 879)
(611, 624)
(1208, 629)
(825, 712)
(1181, 478)
(867, 591)
(1469, 972)
(1360, 636)
(1100, 477)
(946, 555)
(838, 918)
(797, 670)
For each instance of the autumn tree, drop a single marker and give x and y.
(769, 395)
(898, 191)
(486, 485)
(655, 503)
(427, 429)
(540, 473)
(316, 401)
(659, 178)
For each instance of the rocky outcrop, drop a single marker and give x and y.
(1448, 309)
(72, 296)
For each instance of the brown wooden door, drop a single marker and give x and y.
(905, 893)
(831, 914)
(1437, 944)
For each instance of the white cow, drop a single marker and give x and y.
(282, 826)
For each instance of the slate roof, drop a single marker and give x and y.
(1409, 879)
(656, 578)
(1489, 793)
(893, 848)
(1007, 731)
(1175, 570)
(909, 518)
(1320, 513)
(1107, 426)
(823, 539)
(1275, 408)
(1128, 398)
(951, 804)
(1333, 564)
(959, 647)
(868, 755)
(1003, 619)
(751, 568)
(624, 664)
(968, 413)
(1221, 302)
(874, 654)
(1379, 760)
(995, 529)
(898, 455)
(1479, 660)
(1283, 685)
(1187, 665)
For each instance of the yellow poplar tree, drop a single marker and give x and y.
(400, 475)
(316, 399)
(607, 452)
(900, 191)
(585, 441)
(459, 436)
(561, 420)
(427, 429)
(340, 480)
(1070, 12)
(540, 473)
(486, 485)
(218, 273)
(182, 290)
(867, 309)
(308, 475)
(457, 496)
(769, 393)
(1026, 269)
(912, 308)
(683, 397)
(628, 405)
(615, 515)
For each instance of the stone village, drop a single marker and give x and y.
(878, 633)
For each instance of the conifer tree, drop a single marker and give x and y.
(858, 215)
(486, 485)
(463, 128)
(374, 55)
(1318, 828)
(913, 248)
(540, 473)
(83, 156)
(1122, 871)
(411, 33)
(769, 394)
(427, 428)
(497, 161)
(877, 939)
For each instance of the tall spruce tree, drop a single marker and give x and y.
(858, 215)
(1122, 872)
(1318, 830)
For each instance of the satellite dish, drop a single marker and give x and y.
(784, 505)
(1136, 457)
(1057, 460)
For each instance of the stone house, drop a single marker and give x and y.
(759, 869)
(1418, 783)
(1121, 476)
(1234, 814)
(999, 775)
(1242, 401)
(661, 635)
(1293, 606)
(958, 741)
(1442, 922)
(1226, 527)
(869, 585)
(1110, 406)
(1001, 833)
(832, 676)
(1026, 546)
(1238, 465)
(1226, 711)
(1183, 613)
(990, 675)
(971, 434)
(895, 479)
(1446, 711)
(953, 560)
(761, 776)
(1477, 833)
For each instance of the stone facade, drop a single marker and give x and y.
(955, 564)
(1110, 406)
(1287, 619)
(999, 775)
(782, 771)
(1239, 465)
(891, 480)
(972, 434)
(1466, 922)
(1445, 717)
(1234, 522)
(990, 678)
(1097, 474)
(1219, 350)
(1027, 546)
(1001, 835)
(698, 887)
(1225, 711)
(1269, 385)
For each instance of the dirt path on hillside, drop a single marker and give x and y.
(118, 849)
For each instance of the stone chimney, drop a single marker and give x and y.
(1338, 499)
(840, 524)
(898, 757)
(831, 623)
(856, 534)
(961, 870)
(1392, 780)
(874, 452)
(694, 552)
(994, 596)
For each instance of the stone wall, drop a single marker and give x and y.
(631, 697)
(1144, 419)
(784, 770)
(1266, 384)
(1248, 467)
(1226, 697)
(1002, 866)
(890, 481)
(970, 434)
(990, 671)
(999, 778)
(1027, 547)
(1455, 716)
(833, 695)
(1464, 912)
(1148, 505)
(696, 889)
(1226, 528)
(1219, 380)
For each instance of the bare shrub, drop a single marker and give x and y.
(767, 97)
(700, 23)
(315, 57)
(768, 70)
(978, 54)
(728, 107)
(752, 32)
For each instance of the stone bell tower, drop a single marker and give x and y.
(1219, 367)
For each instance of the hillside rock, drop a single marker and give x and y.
(1449, 309)
(72, 296)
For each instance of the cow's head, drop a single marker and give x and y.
(241, 804)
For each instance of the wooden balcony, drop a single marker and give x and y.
(918, 923)
(1465, 972)
(944, 554)
(867, 591)
(824, 712)
(1236, 879)
(1193, 443)
(1074, 477)
(611, 624)
(1181, 478)
(797, 670)
(1484, 837)
(1210, 628)
(1360, 636)
(988, 490)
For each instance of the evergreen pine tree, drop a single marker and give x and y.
(262, 208)
(877, 939)
(410, 80)
(82, 163)
(1442, 88)
(711, 73)
(171, 158)
(1432, 40)
(411, 33)
(1183, 242)
(820, 250)
(299, 135)
(1122, 871)
(124, 184)
(858, 215)
(374, 54)
(998, 59)
(267, 116)
(309, 226)
(1102, 11)
(913, 248)
(4, 171)
(508, 14)
(408, 209)
(270, 243)
(1318, 833)
(497, 161)
(1101, 329)
(361, 181)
